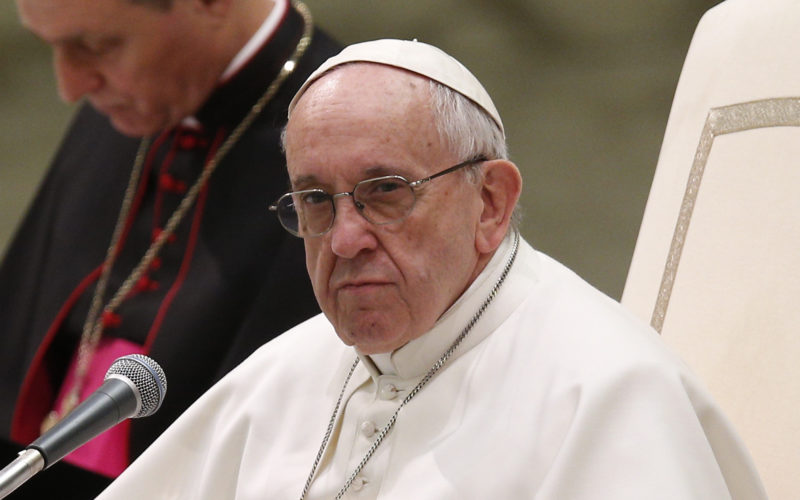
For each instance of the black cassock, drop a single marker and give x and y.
(230, 280)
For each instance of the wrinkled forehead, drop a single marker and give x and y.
(362, 88)
(364, 119)
(415, 57)
(64, 21)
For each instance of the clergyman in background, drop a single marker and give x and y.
(149, 234)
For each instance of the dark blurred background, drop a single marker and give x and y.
(584, 88)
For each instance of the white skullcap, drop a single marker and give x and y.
(417, 57)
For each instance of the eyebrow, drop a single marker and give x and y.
(81, 40)
(308, 181)
(381, 170)
(303, 182)
(59, 40)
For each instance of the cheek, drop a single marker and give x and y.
(441, 258)
(421, 261)
(153, 72)
(311, 262)
(140, 83)
(319, 269)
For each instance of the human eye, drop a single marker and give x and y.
(96, 46)
(314, 197)
(383, 187)
(389, 185)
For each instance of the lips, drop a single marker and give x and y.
(361, 287)
(361, 284)
(108, 103)
(108, 109)
(361, 276)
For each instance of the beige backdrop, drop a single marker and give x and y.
(584, 88)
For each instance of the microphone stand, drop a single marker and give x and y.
(25, 466)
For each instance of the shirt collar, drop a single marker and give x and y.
(250, 51)
(260, 37)
(233, 98)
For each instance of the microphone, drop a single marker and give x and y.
(134, 387)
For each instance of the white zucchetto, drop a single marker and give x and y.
(417, 57)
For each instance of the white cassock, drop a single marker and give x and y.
(556, 393)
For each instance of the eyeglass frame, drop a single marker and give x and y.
(360, 206)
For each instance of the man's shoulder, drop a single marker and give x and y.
(312, 336)
(569, 298)
(299, 349)
(584, 329)
(90, 143)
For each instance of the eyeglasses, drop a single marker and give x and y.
(382, 200)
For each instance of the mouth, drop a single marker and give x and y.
(361, 286)
(111, 110)
(104, 104)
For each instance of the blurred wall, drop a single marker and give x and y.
(584, 88)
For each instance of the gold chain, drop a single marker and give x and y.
(93, 327)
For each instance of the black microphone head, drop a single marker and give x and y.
(148, 378)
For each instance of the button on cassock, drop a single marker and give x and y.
(388, 391)
(358, 483)
(368, 428)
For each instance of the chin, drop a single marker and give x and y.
(137, 126)
(375, 341)
(379, 328)
(131, 130)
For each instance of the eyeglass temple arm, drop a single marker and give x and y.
(477, 159)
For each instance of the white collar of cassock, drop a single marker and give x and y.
(416, 358)
(259, 38)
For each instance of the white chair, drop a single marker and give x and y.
(716, 267)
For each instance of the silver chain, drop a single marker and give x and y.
(428, 376)
(329, 431)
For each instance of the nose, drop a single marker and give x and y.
(75, 78)
(351, 232)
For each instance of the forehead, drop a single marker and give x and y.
(362, 90)
(60, 20)
(363, 115)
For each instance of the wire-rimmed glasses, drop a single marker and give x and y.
(381, 200)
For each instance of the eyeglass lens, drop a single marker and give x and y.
(381, 201)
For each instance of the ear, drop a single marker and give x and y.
(502, 184)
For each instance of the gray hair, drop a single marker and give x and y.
(469, 132)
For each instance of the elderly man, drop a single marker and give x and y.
(467, 364)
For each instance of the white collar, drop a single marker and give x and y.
(260, 37)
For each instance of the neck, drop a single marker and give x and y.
(254, 14)
(243, 20)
